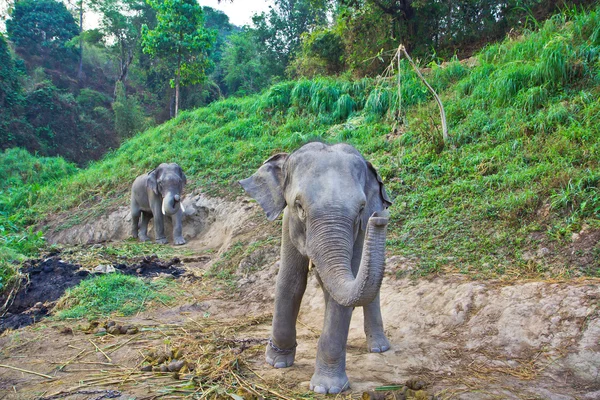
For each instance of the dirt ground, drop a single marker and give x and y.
(463, 339)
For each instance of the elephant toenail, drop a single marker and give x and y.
(320, 389)
(375, 350)
(280, 364)
(335, 390)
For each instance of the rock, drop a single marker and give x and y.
(146, 368)
(104, 269)
(132, 331)
(124, 329)
(164, 368)
(38, 305)
(543, 252)
(100, 331)
(110, 323)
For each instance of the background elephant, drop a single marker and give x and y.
(158, 194)
(334, 205)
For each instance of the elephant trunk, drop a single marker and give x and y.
(170, 205)
(331, 240)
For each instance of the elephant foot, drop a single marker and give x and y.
(377, 343)
(329, 380)
(162, 241)
(143, 238)
(179, 240)
(279, 358)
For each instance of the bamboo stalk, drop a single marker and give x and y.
(100, 350)
(402, 49)
(26, 371)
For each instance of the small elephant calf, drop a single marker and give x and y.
(158, 194)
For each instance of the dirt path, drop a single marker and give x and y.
(467, 340)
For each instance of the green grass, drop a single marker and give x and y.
(112, 293)
(24, 176)
(524, 136)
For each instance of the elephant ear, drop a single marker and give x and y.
(183, 178)
(266, 186)
(377, 198)
(151, 181)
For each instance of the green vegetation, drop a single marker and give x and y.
(521, 170)
(103, 295)
(23, 177)
(179, 39)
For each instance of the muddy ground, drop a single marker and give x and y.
(44, 281)
(463, 339)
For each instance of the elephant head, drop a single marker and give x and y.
(331, 194)
(167, 181)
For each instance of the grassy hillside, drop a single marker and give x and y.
(521, 170)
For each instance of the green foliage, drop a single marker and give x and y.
(180, 38)
(112, 293)
(129, 117)
(279, 31)
(322, 53)
(11, 96)
(23, 176)
(43, 28)
(245, 69)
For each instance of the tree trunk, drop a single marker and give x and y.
(80, 72)
(177, 93)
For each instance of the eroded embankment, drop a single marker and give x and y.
(208, 223)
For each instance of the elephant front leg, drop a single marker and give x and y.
(330, 369)
(290, 287)
(159, 224)
(377, 342)
(146, 216)
(178, 228)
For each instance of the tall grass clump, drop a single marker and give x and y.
(111, 293)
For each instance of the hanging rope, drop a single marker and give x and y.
(402, 49)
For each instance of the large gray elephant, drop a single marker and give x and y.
(158, 194)
(334, 205)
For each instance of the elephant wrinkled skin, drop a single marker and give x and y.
(334, 214)
(155, 195)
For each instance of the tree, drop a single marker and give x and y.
(245, 69)
(42, 29)
(122, 22)
(180, 39)
(280, 30)
(11, 96)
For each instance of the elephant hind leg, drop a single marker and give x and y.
(146, 217)
(376, 340)
(135, 219)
